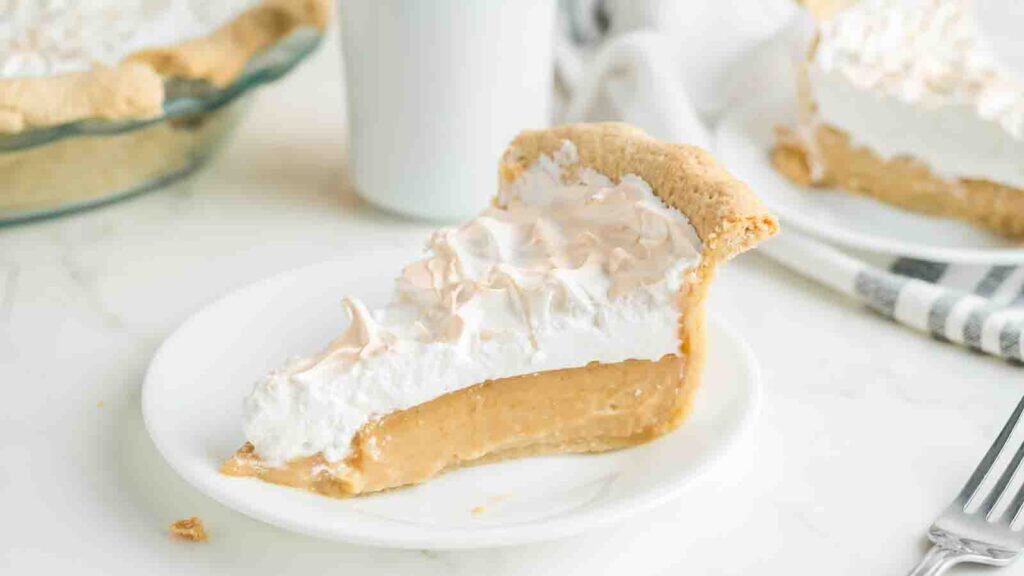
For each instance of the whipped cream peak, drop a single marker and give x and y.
(569, 268)
(926, 52)
(364, 335)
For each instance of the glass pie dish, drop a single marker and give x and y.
(55, 170)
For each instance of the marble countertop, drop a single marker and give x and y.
(867, 429)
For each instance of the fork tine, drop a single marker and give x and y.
(1000, 487)
(984, 467)
(1013, 510)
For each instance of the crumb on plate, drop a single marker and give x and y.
(189, 529)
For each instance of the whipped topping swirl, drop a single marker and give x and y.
(566, 270)
(50, 37)
(927, 52)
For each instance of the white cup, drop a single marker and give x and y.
(436, 90)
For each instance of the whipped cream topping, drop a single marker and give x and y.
(565, 271)
(926, 86)
(50, 37)
(926, 52)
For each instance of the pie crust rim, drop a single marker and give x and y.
(134, 88)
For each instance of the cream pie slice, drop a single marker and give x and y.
(902, 101)
(568, 317)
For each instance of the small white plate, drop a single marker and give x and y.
(743, 141)
(192, 399)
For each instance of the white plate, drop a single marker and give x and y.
(743, 141)
(192, 400)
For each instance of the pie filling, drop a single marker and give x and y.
(568, 275)
(589, 409)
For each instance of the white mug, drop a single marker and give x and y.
(436, 90)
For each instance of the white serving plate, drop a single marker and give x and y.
(192, 404)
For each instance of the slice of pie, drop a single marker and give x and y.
(566, 318)
(904, 102)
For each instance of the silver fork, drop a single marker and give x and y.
(981, 536)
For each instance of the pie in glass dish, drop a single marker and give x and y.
(568, 317)
(104, 99)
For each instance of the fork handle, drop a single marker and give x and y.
(936, 561)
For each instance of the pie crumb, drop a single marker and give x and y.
(189, 529)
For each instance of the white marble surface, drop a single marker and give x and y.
(867, 428)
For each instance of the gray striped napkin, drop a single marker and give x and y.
(977, 306)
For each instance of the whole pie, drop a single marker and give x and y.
(568, 317)
(904, 102)
(63, 62)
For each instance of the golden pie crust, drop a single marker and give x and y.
(903, 182)
(135, 89)
(592, 408)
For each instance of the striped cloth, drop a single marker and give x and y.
(977, 306)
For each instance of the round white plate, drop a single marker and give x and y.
(743, 141)
(192, 400)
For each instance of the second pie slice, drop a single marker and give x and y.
(568, 317)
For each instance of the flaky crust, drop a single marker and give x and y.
(190, 529)
(220, 56)
(134, 89)
(126, 91)
(727, 216)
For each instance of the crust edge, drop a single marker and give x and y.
(133, 89)
(727, 216)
